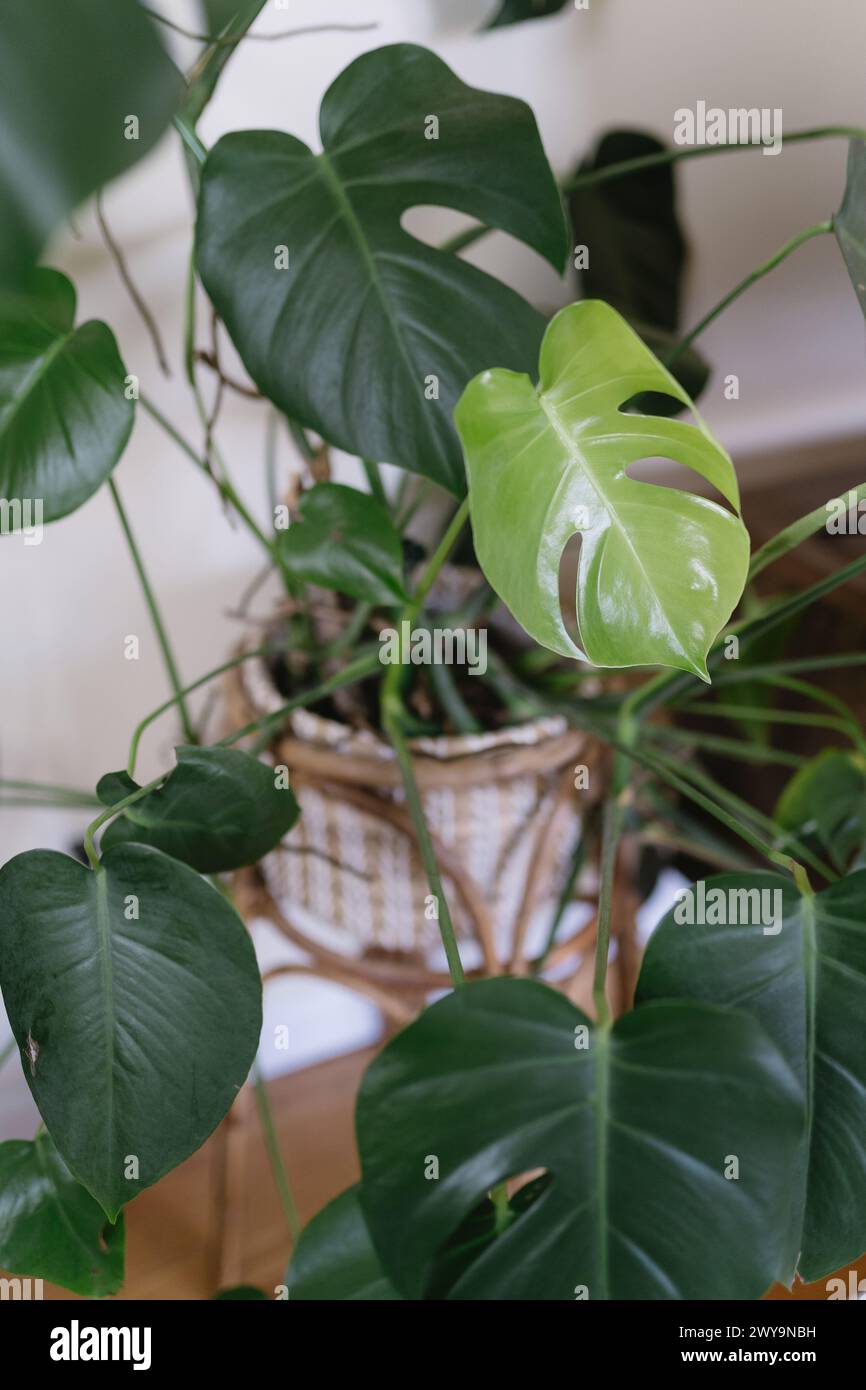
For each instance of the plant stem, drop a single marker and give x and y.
(764, 269)
(374, 478)
(49, 791)
(612, 819)
(391, 721)
(671, 155)
(223, 485)
(438, 558)
(188, 690)
(156, 619)
(798, 532)
(111, 812)
(278, 1167)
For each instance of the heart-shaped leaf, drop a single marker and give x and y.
(219, 809)
(134, 996)
(64, 415)
(344, 539)
(50, 1226)
(86, 89)
(825, 801)
(660, 569)
(346, 321)
(636, 1126)
(798, 966)
(849, 223)
(335, 1258)
(515, 11)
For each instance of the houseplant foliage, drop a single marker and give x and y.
(511, 1146)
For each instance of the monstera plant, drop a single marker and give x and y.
(711, 1139)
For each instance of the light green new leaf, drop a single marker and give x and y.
(344, 539)
(50, 1226)
(219, 809)
(634, 1126)
(849, 223)
(660, 569)
(335, 1258)
(135, 999)
(804, 981)
(72, 73)
(345, 320)
(64, 416)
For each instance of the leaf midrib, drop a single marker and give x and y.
(359, 237)
(579, 457)
(103, 925)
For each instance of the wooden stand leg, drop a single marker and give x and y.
(229, 1172)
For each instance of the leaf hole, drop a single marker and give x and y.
(660, 471)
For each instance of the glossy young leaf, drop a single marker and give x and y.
(64, 416)
(634, 1125)
(515, 11)
(335, 1259)
(135, 999)
(804, 981)
(345, 320)
(660, 569)
(219, 809)
(826, 801)
(344, 539)
(50, 1226)
(849, 223)
(72, 77)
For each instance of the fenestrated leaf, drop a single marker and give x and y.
(825, 801)
(633, 1124)
(50, 1226)
(689, 369)
(806, 985)
(369, 336)
(660, 569)
(515, 11)
(219, 809)
(64, 416)
(134, 996)
(335, 1259)
(71, 75)
(849, 223)
(345, 540)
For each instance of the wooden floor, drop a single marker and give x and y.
(170, 1245)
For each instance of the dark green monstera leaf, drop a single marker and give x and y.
(636, 1127)
(347, 322)
(849, 224)
(220, 809)
(344, 539)
(660, 569)
(798, 966)
(50, 1226)
(86, 89)
(64, 415)
(135, 999)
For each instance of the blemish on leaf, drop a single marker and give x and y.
(31, 1051)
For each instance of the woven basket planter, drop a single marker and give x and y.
(348, 882)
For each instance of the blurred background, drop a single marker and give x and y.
(796, 342)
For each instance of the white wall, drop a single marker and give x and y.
(69, 699)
